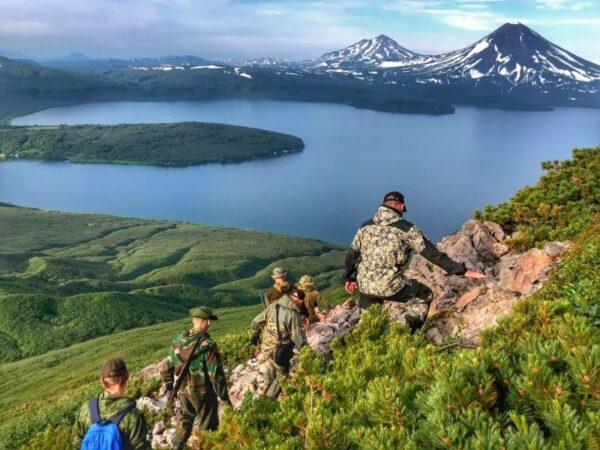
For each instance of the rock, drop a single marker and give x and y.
(467, 298)
(149, 372)
(150, 405)
(253, 377)
(340, 321)
(526, 269)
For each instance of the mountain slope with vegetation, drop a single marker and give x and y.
(165, 144)
(66, 278)
(57, 382)
(533, 382)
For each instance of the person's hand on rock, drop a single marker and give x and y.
(350, 287)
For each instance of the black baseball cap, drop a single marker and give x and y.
(394, 196)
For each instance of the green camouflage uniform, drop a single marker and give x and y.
(313, 299)
(133, 426)
(204, 382)
(291, 329)
(381, 252)
(273, 294)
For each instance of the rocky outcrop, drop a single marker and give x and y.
(462, 308)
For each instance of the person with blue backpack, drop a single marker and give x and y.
(111, 421)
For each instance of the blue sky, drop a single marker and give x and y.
(285, 28)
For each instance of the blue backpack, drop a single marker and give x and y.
(103, 434)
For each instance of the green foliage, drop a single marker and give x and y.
(558, 207)
(44, 392)
(165, 144)
(534, 382)
(60, 272)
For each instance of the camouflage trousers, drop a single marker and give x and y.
(204, 408)
(411, 304)
(275, 373)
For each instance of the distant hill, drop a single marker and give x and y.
(367, 53)
(165, 144)
(104, 64)
(26, 87)
(60, 273)
(76, 57)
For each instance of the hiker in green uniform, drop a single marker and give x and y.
(281, 286)
(315, 303)
(282, 335)
(112, 407)
(204, 378)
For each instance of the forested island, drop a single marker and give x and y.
(161, 144)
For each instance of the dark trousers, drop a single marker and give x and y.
(413, 290)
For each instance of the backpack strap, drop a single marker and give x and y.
(116, 419)
(277, 322)
(95, 410)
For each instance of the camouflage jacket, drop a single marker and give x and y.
(290, 325)
(206, 370)
(381, 251)
(273, 294)
(133, 426)
(313, 299)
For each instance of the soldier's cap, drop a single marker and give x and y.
(394, 196)
(202, 312)
(278, 272)
(305, 281)
(114, 367)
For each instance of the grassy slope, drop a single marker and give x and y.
(45, 390)
(59, 272)
(177, 144)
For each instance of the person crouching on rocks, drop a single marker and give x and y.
(379, 255)
(315, 304)
(282, 336)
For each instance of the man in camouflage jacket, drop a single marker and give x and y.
(204, 382)
(133, 426)
(380, 253)
(283, 314)
(314, 302)
(280, 286)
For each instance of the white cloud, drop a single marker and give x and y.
(573, 5)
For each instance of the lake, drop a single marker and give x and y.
(446, 166)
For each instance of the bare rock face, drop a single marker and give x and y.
(340, 321)
(462, 308)
(253, 377)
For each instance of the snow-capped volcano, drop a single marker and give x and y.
(365, 53)
(513, 55)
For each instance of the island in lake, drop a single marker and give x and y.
(161, 144)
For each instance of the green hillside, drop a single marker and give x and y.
(534, 383)
(66, 278)
(45, 391)
(165, 144)
(25, 88)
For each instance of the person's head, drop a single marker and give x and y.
(202, 317)
(278, 276)
(297, 296)
(395, 200)
(305, 283)
(114, 376)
